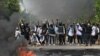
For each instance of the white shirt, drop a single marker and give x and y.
(78, 30)
(94, 28)
(17, 33)
(56, 29)
(70, 32)
(39, 31)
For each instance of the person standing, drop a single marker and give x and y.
(56, 32)
(17, 33)
(97, 33)
(83, 32)
(61, 32)
(44, 33)
(88, 30)
(74, 30)
(70, 34)
(94, 34)
(79, 33)
(22, 27)
(51, 33)
(27, 32)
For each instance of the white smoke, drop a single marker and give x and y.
(61, 9)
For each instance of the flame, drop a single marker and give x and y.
(24, 52)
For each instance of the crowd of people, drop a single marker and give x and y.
(58, 33)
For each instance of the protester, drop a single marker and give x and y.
(17, 33)
(87, 34)
(27, 32)
(70, 34)
(98, 32)
(44, 33)
(57, 34)
(61, 32)
(79, 33)
(83, 32)
(74, 29)
(94, 34)
(33, 38)
(38, 33)
(22, 27)
(52, 35)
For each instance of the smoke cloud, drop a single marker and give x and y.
(8, 44)
(61, 9)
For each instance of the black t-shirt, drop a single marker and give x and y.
(22, 27)
(88, 29)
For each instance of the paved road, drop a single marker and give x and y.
(64, 47)
(65, 50)
(88, 52)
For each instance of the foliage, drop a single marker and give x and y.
(7, 7)
(13, 5)
(96, 18)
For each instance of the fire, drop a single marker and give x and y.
(23, 52)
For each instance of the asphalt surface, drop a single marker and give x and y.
(66, 50)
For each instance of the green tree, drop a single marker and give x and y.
(97, 12)
(7, 7)
(13, 5)
(97, 16)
